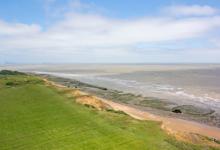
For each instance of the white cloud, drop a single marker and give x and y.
(92, 31)
(193, 10)
(17, 29)
(95, 35)
(216, 42)
(53, 10)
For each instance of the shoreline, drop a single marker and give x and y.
(172, 125)
(154, 105)
(180, 128)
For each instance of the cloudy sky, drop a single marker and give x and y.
(110, 31)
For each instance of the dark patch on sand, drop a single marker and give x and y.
(192, 110)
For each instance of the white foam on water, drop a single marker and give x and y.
(60, 74)
(164, 89)
(161, 88)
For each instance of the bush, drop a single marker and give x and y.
(10, 83)
(9, 72)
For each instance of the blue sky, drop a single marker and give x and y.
(113, 31)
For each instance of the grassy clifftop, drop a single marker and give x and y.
(34, 116)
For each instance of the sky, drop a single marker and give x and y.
(110, 31)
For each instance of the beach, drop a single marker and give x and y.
(184, 130)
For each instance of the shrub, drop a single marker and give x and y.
(10, 83)
(9, 72)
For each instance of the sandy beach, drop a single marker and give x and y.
(172, 125)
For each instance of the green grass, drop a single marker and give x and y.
(33, 116)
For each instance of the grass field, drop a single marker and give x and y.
(34, 116)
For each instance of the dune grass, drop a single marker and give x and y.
(34, 116)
